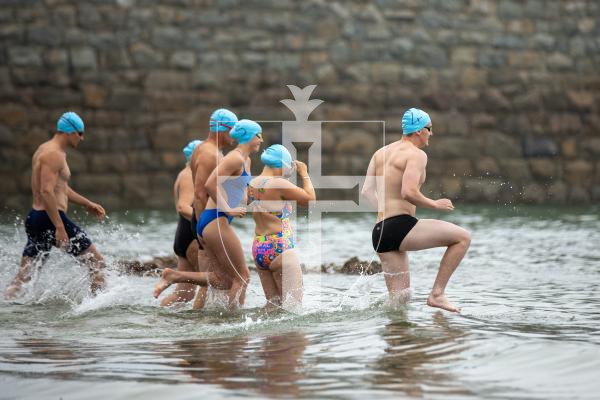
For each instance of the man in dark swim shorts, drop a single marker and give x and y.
(394, 178)
(47, 224)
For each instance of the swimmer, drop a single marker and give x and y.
(47, 224)
(226, 186)
(271, 195)
(185, 245)
(398, 170)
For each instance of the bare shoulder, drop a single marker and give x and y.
(50, 157)
(417, 155)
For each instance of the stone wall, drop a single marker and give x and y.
(513, 87)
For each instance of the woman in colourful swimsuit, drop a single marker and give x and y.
(227, 187)
(271, 196)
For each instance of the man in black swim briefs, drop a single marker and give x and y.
(47, 224)
(394, 179)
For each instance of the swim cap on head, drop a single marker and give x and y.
(189, 149)
(245, 130)
(414, 120)
(276, 156)
(70, 122)
(221, 120)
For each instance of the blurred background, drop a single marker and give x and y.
(512, 87)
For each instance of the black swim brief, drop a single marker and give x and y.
(183, 236)
(389, 233)
(41, 234)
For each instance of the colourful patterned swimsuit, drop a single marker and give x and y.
(266, 248)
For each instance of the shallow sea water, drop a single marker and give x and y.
(529, 329)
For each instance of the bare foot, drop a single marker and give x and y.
(166, 280)
(440, 301)
(12, 292)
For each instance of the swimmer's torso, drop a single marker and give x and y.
(390, 164)
(269, 209)
(40, 159)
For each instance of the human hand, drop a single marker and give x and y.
(301, 168)
(62, 239)
(444, 204)
(96, 209)
(237, 212)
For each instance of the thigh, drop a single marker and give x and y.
(191, 255)
(226, 246)
(430, 233)
(268, 284)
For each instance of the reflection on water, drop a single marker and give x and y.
(413, 352)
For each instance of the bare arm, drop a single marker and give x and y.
(185, 196)
(411, 181)
(92, 207)
(294, 193)
(369, 190)
(204, 167)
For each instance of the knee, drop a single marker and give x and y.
(465, 238)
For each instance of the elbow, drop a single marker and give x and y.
(180, 208)
(408, 195)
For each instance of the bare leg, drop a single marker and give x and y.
(23, 275)
(272, 292)
(429, 233)
(169, 277)
(222, 241)
(183, 292)
(397, 276)
(288, 277)
(202, 263)
(94, 261)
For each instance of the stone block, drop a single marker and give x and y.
(136, 189)
(7, 136)
(581, 100)
(516, 170)
(145, 56)
(56, 58)
(473, 77)
(579, 173)
(557, 192)
(169, 136)
(356, 143)
(478, 189)
(430, 55)
(104, 163)
(534, 193)
(94, 96)
(568, 148)
(463, 56)
(97, 183)
(83, 58)
(483, 120)
(499, 145)
(8, 184)
(592, 146)
(124, 99)
(11, 160)
(43, 35)
(579, 195)
(441, 147)
(544, 169)
(487, 166)
(183, 59)
(167, 37)
(457, 167)
(559, 62)
(539, 146)
(167, 80)
(25, 56)
(78, 162)
(143, 161)
(172, 160)
(451, 187)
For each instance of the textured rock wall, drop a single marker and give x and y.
(513, 87)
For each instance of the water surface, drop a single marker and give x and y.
(529, 329)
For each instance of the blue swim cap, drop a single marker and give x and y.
(189, 149)
(276, 156)
(70, 122)
(414, 120)
(221, 120)
(245, 130)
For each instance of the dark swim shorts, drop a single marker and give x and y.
(41, 234)
(389, 233)
(183, 236)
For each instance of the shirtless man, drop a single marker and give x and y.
(394, 178)
(47, 224)
(204, 160)
(185, 245)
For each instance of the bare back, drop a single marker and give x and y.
(50, 160)
(204, 160)
(390, 165)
